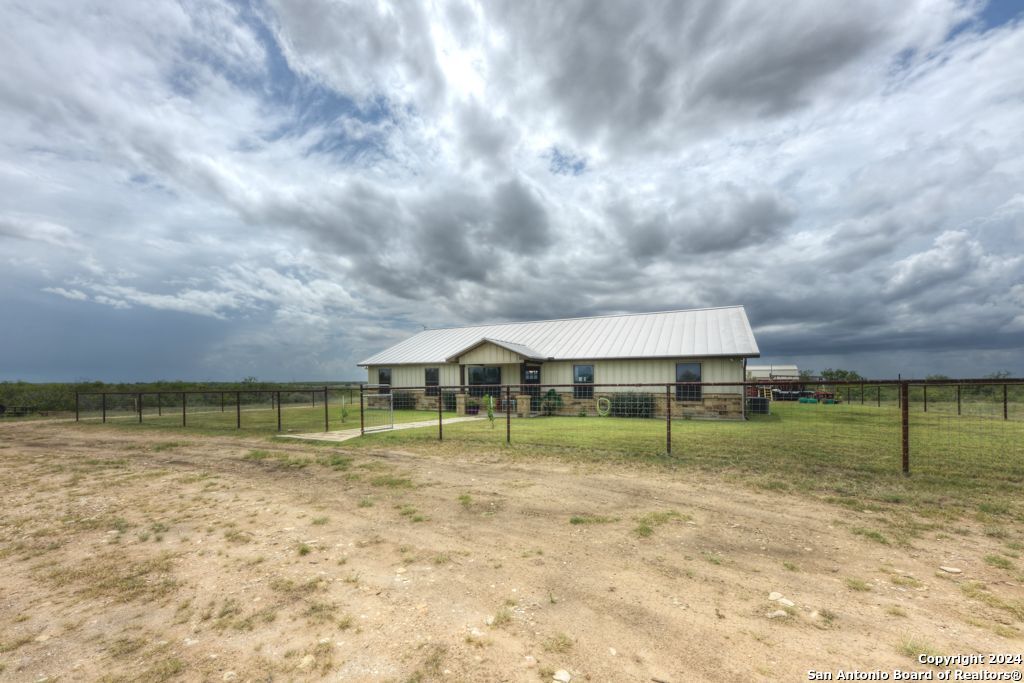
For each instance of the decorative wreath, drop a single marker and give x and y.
(604, 406)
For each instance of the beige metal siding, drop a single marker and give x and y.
(415, 376)
(648, 371)
(489, 354)
(605, 372)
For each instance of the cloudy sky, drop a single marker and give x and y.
(210, 190)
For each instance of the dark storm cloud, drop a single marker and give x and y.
(725, 219)
(308, 181)
(624, 71)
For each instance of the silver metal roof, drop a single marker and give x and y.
(667, 334)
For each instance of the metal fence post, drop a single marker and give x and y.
(862, 393)
(238, 410)
(139, 397)
(278, 411)
(668, 419)
(508, 414)
(327, 419)
(925, 398)
(362, 419)
(1005, 406)
(905, 426)
(440, 414)
(76, 406)
(222, 401)
(159, 404)
(184, 402)
(879, 387)
(104, 404)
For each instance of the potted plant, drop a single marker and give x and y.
(472, 406)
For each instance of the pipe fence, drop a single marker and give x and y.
(286, 409)
(881, 423)
(970, 425)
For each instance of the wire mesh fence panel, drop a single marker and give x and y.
(816, 431)
(377, 408)
(979, 439)
(594, 418)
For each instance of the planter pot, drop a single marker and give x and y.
(472, 410)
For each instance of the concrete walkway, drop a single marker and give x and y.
(346, 434)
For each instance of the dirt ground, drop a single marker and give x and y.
(149, 555)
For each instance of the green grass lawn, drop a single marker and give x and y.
(849, 453)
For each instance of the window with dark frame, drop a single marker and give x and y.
(583, 375)
(431, 379)
(384, 377)
(484, 380)
(688, 372)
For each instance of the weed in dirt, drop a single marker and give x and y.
(237, 537)
(978, 591)
(442, 558)
(122, 647)
(502, 618)
(391, 482)
(857, 585)
(335, 462)
(304, 549)
(15, 643)
(789, 566)
(319, 612)
(558, 644)
(591, 519)
(913, 646)
(828, 617)
(257, 455)
(908, 581)
(466, 501)
(871, 534)
(647, 523)
(345, 623)
(366, 503)
(296, 590)
(895, 611)
(320, 521)
(166, 446)
(124, 581)
(430, 668)
(998, 561)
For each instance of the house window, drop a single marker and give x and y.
(432, 377)
(484, 380)
(384, 377)
(583, 375)
(688, 372)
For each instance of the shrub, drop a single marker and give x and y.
(551, 402)
(632, 404)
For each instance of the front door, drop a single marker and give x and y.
(531, 385)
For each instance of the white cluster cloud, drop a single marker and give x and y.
(342, 172)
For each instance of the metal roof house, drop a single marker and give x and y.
(706, 345)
